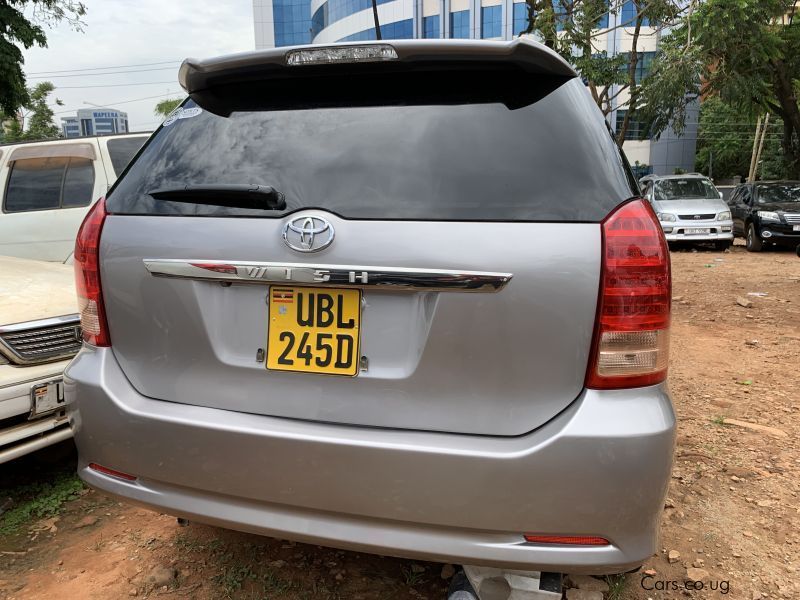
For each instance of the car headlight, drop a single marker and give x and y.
(667, 217)
(768, 215)
(725, 215)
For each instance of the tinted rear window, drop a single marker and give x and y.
(122, 150)
(465, 147)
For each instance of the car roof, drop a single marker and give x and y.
(198, 75)
(63, 140)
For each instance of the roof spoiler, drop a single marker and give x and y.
(199, 75)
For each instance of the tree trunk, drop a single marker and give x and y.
(632, 63)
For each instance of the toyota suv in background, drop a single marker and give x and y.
(330, 302)
(767, 213)
(48, 187)
(39, 333)
(689, 208)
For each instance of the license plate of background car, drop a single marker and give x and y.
(314, 330)
(795, 227)
(47, 397)
(696, 230)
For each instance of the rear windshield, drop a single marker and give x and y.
(685, 189)
(488, 147)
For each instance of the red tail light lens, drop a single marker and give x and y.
(568, 540)
(111, 472)
(631, 341)
(87, 277)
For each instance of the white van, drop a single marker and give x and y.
(48, 188)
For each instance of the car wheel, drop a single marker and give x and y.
(752, 241)
(723, 245)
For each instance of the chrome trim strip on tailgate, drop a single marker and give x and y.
(392, 278)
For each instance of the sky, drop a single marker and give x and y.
(119, 34)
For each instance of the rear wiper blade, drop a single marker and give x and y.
(234, 195)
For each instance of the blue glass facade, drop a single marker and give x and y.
(520, 23)
(491, 21)
(336, 10)
(459, 24)
(430, 27)
(292, 21)
(628, 16)
(602, 22)
(401, 30)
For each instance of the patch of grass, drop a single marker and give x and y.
(39, 500)
(412, 577)
(272, 584)
(719, 420)
(187, 543)
(616, 586)
(233, 578)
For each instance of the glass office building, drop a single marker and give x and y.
(287, 22)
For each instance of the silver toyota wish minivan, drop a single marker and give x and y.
(396, 297)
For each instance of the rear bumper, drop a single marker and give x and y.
(600, 468)
(18, 435)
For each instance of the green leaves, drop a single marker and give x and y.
(39, 116)
(750, 51)
(165, 107)
(18, 30)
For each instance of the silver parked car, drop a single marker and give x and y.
(690, 208)
(348, 296)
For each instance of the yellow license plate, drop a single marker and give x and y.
(314, 330)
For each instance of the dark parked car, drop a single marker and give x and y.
(767, 212)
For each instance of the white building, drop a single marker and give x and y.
(95, 121)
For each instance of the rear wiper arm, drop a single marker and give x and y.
(234, 195)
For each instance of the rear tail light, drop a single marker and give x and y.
(87, 277)
(631, 340)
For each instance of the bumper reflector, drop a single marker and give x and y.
(568, 540)
(111, 472)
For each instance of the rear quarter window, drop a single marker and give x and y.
(122, 150)
(48, 183)
(534, 149)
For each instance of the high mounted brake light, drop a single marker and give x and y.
(87, 277)
(631, 340)
(342, 54)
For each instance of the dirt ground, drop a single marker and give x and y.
(732, 517)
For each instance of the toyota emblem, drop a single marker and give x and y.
(308, 233)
